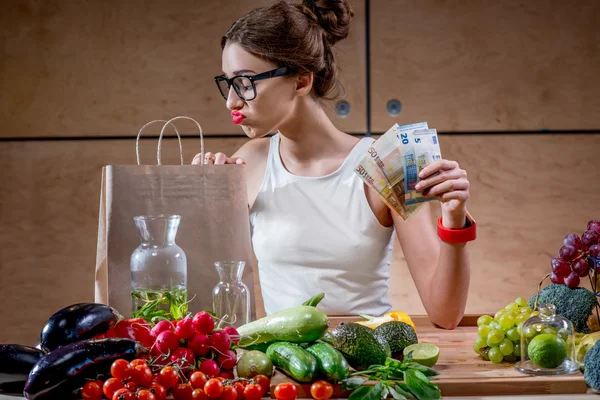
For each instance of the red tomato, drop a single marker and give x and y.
(142, 376)
(111, 386)
(213, 388)
(182, 392)
(227, 374)
(321, 390)
(198, 380)
(137, 362)
(253, 392)
(123, 394)
(145, 394)
(263, 382)
(137, 329)
(198, 394)
(121, 369)
(239, 388)
(131, 386)
(91, 391)
(159, 391)
(168, 377)
(229, 393)
(285, 391)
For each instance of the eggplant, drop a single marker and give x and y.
(16, 361)
(62, 371)
(77, 322)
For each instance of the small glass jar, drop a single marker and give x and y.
(158, 269)
(547, 344)
(231, 297)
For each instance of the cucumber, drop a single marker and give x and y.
(297, 324)
(293, 360)
(331, 363)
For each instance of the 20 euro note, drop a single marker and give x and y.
(425, 150)
(370, 173)
(388, 154)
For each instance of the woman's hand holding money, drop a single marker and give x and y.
(217, 158)
(447, 181)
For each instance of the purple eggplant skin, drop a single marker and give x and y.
(16, 361)
(57, 374)
(77, 322)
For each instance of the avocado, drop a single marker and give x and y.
(358, 345)
(398, 335)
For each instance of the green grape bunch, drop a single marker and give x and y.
(499, 337)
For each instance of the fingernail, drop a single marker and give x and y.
(418, 186)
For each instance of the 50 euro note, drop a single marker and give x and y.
(370, 173)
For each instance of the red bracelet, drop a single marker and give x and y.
(464, 235)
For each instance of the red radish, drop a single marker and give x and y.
(162, 326)
(220, 341)
(184, 358)
(185, 329)
(166, 343)
(227, 360)
(234, 335)
(227, 374)
(209, 368)
(199, 343)
(204, 322)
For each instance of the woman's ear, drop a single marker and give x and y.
(304, 84)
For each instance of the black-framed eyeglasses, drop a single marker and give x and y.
(244, 84)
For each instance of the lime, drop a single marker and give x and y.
(423, 353)
(547, 350)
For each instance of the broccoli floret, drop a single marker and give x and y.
(574, 304)
(592, 367)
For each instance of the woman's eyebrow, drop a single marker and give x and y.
(243, 71)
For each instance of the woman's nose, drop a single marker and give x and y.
(234, 102)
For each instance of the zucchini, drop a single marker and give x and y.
(315, 300)
(293, 360)
(297, 324)
(331, 363)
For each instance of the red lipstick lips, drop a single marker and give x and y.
(237, 117)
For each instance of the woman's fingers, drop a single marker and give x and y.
(217, 158)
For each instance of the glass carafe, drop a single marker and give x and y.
(158, 269)
(231, 297)
(547, 344)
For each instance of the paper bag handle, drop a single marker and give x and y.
(180, 151)
(137, 141)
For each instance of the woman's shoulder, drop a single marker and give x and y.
(254, 150)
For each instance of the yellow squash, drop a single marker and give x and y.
(374, 322)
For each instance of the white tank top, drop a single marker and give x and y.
(319, 234)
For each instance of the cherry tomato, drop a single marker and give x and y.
(131, 386)
(229, 393)
(159, 391)
(198, 380)
(123, 394)
(213, 388)
(253, 392)
(142, 376)
(182, 392)
(198, 394)
(168, 377)
(145, 394)
(91, 391)
(137, 362)
(239, 388)
(285, 391)
(321, 390)
(121, 369)
(263, 382)
(111, 386)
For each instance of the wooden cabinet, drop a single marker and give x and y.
(105, 68)
(476, 65)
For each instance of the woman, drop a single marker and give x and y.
(315, 225)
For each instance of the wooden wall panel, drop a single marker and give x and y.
(528, 192)
(477, 65)
(104, 68)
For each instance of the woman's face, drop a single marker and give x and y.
(274, 101)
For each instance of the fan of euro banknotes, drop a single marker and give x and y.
(393, 162)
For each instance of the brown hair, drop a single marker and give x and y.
(298, 36)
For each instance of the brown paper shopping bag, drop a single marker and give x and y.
(214, 226)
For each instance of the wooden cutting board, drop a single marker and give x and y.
(464, 373)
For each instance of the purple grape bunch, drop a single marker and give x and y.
(578, 257)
